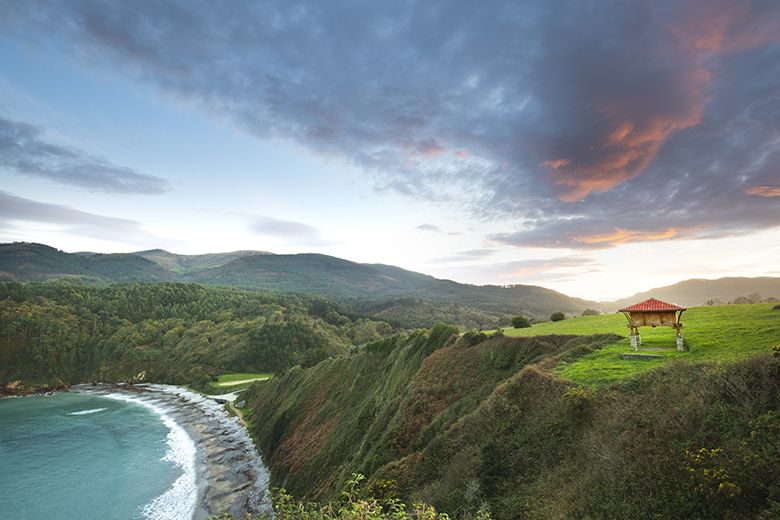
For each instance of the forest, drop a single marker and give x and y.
(66, 332)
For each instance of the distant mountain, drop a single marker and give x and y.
(395, 294)
(698, 292)
(25, 261)
(370, 283)
(189, 263)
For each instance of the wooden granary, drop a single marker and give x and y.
(653, 313)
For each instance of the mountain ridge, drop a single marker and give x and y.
(408, 298)
(699, 291)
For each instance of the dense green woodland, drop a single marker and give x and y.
(176, 333)
(388, 293)
(478, 424)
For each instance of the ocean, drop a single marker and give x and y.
(74, 456)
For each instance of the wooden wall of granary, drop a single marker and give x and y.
(650, 319)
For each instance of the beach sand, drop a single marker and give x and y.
(230, 474)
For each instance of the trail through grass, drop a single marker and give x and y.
(721, 333)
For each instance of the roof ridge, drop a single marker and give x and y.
(652, 304)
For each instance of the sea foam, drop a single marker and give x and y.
(88, 412)
(179, 501)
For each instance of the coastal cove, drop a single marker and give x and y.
(154, 452)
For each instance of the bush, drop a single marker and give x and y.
(557, 316)
(590, 312)
(520, 322)
(776, 307)
(353, 505)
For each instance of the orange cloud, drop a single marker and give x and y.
(620, 133)
(631, 143)
(623, 236)
(764, 191)
(629, 147)
(555, 164)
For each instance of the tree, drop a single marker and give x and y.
(520, 322)
(557, 316)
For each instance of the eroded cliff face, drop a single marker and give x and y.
(476, 423)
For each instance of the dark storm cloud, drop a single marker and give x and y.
(14, 210)
(289, 230)
(593, 124)
(24, 150)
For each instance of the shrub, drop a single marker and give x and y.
(473, 337)
(776, 307)
(353, 505)
(520, 322)
(557, 316)
(590, 312)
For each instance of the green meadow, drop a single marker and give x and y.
(719, 333)
(233, 382)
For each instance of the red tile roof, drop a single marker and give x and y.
(652, 305)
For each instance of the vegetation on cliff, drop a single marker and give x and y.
(477, 423)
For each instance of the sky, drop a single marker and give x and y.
(598, 148)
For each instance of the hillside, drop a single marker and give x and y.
(366, 284)
(712, 333)
(187, 263)
(174, 333)
(23, 261)
(488, 423)
(699, 291)
(394, 294)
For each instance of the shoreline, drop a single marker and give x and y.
(230, 475)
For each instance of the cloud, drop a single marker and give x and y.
(621, 120)
(764, 191)
(533, 270)
(535, 266)
(24, 150)
(289, 230)
(429, 227)
(465, 256)
(15, 210)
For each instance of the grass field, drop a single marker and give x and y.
(233, 382)
(722, 333)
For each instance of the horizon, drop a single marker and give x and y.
(570, 150)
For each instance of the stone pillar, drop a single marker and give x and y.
(680, 346)
(634, 338)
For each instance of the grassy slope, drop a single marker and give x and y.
(490, 422)
(722, 333)
(384, 404)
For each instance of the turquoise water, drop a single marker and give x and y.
(77, 456)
